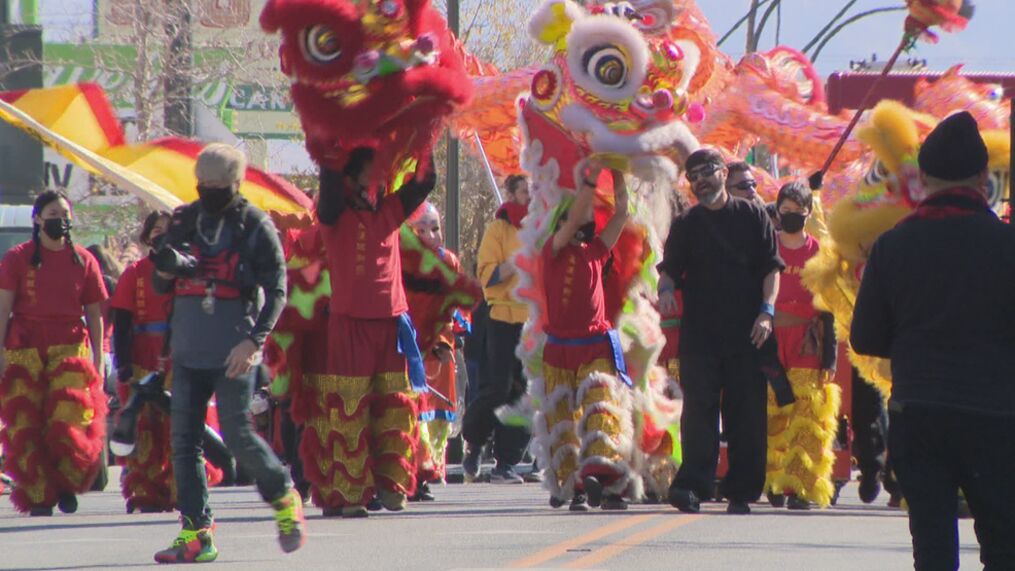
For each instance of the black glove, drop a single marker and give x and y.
(816, 180)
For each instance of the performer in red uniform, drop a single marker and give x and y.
(587, 407)
(140, 317)
(801, 435)
(364, 441)
(435, 413)
(140, 323)
(51, 398)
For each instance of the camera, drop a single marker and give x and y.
(172, 261)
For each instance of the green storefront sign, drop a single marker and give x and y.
(248, 110)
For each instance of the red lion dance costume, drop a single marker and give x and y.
(52, 405)
(380, 75)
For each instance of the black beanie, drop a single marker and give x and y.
(704, 157)
(954, 150)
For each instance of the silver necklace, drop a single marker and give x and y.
(218, 230)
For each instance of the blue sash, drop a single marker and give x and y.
(612, 337)
(408, 347)
(153, 327)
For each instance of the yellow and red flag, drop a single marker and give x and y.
(79, 123)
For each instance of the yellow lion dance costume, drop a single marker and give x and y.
(883, 198)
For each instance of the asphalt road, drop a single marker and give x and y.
(481, 526)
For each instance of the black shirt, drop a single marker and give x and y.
(719, 259)
(937, 299)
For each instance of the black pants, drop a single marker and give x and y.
(870, 427)
(500, 382)
(292, 434)
(192, 389)
(936, 452)
(734, 385)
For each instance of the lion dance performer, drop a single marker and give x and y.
(140, 318)
(583, 362)
(371, 342)
(51, 398)
(800, 435)
(373, 82)
(427, 305)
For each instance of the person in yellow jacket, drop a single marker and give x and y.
(501, 377)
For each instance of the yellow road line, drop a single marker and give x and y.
(555, 551)
(616, 548)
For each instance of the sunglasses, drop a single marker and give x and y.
(693, 176)
(746, 185)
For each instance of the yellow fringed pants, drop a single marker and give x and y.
(801, 436)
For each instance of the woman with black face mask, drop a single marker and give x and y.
(51, 395)
(800, 435)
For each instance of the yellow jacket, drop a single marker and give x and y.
(500, 242)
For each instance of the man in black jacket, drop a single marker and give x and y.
(223, 262)
(724, 256)
(936, 298)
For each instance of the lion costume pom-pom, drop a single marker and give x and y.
(949, 15)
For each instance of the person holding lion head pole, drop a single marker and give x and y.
(223, 262)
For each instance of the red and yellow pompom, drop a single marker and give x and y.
(949, 15)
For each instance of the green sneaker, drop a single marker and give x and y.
(191, 546)
(290, 520)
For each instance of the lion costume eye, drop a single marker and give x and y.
(877, 174)
(996, 185)
(321, 44)
(607, 65)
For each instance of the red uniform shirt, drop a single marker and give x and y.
(573, 282)
(136, 294)
(59, 288)
(793, 296)
(365, 263)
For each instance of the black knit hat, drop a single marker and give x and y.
(703, 157)
(954, 150)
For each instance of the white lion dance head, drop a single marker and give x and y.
(614, 89)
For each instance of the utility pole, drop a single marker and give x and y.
(452, 214)
(177, 81)
(22, 168)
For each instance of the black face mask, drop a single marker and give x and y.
(792, 222)
(56, 228)
(215, 200)
(586, 232)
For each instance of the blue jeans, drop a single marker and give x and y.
(192, 389)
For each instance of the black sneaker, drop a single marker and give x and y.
(776, 500)
(685, 500)
(423, 493)
(870, 488)
(534, 477)
(470, 463)
(556, 502)
(68, 503)
(578, 503)
(614, 502)
(795, 502)
(374, 504)
(738, 508)
(594, 489)
(505, 475)
(41, 511)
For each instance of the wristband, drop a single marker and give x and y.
(768, 309)
(587, 182)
